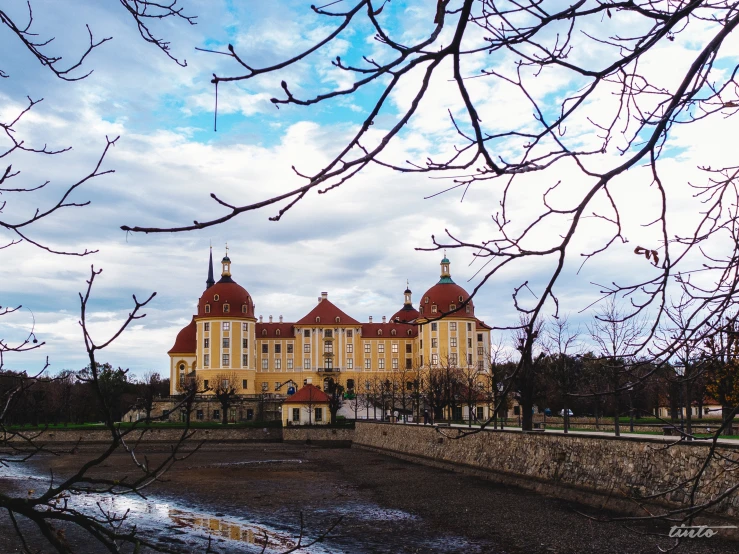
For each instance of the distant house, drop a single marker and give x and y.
(308, 406)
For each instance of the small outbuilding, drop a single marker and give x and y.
(308, 406)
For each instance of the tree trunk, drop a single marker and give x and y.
(726, 413)
(616, 422)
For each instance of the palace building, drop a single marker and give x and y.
(226, 340)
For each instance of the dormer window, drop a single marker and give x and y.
(379, 332)
(264, 332)
(243, 308)
(461, 298)
(318, 320)
(207, 308)
(426, 300)
(468, 308)
(226, 308)
(216, 298)
(393, 332)
(452, 307)
(433, 308)
(277, 332)
(338, 319)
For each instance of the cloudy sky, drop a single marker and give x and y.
(358, 242)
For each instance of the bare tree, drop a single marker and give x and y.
(564, 366)
(226, 390)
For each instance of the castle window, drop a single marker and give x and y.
(381, 348)
(434, 326)
(277, 332)
(328, 333)
(243, 309)
(226, 325)
(244, 326)
(206, 361)
(207, 308)
(452, 307)
(479, 337)
(461, 298)
(408, 348)
(226, 342)
(433, 308)
(349, 333)
(409, 332)
(278, 348)
(244, 343)
(265, 363)
(264, 332)
(318, 320)
(306, 333)
(226, 308)
(393, 332)
(468, 308)
(206, 342)
(426, 300)
(216, 298)
(289, 363)
(453, 342)
(206, 326)
(265, 348)
(244, 382)
(338, 319)
(453, 326)
(379, 332)
(182, 367)
(244, 362)
(226, 360)
(290, 348)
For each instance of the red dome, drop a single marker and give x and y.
(226, 292)
(444, 296)
(405, 314)
(186, 341)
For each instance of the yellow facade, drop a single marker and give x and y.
(275, 357)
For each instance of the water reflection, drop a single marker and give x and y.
(230, 529)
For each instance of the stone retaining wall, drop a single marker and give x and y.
(317, 435)
(595, 470)
(250, 434)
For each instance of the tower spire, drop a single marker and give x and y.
(210, 282)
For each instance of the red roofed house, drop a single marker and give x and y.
(308, 406)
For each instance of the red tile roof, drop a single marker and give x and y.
(371, 330)
(406, 313)
(186, 340)
(285, 330)
(307, 395)
(481, 324)
(327, 312)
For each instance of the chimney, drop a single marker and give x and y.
(270, 319)
(260, 319)
(370, 319)
(324, 296)
(383, 319)
(280, 319)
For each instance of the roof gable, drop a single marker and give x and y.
(327, 312)
(308, 394)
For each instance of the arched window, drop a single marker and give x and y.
(318, 320)
(182, 367)
(264, 332)
(216, 298)
(243, 308)
(338, 319)
(207, 308)
(461, 298)
(452, 307)
(277, 332)
(433, 308)
(468, 308)
(226, 308)
(379, 332)
(409, 332)
(426, 300)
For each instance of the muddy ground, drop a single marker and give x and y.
(235, 493)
